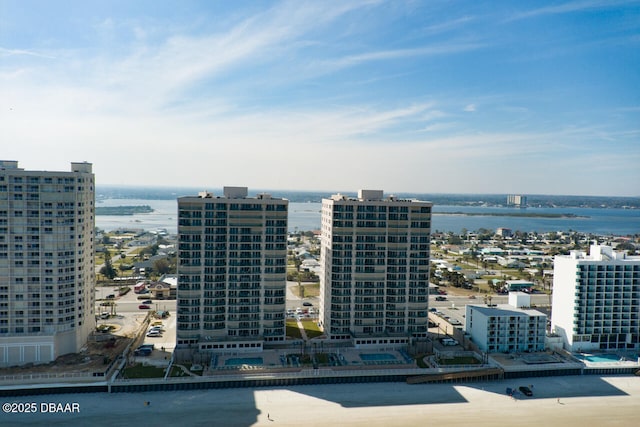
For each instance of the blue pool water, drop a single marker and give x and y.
(239, 361)
(377, 357)
(599, 358)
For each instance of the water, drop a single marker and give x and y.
(602, 221)
(239, 361)
(306, 216)
(377, 357)
(600, 358)
(164, 215)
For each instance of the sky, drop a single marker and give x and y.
(433, 96)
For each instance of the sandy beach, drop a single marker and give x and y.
(557, 401)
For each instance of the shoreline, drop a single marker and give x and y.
(556, 401)
(515, 215)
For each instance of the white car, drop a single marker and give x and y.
(154, 334)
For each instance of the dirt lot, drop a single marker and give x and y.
(100, 350)
(94, 358)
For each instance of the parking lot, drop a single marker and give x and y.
(129, 318)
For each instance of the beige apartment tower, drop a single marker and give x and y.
(47, 270)
(374, 288)
(231, 271)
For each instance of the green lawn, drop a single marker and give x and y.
(142, 371)
(292, 329)
(310, 290)
(466, 360)
(311, 328)
(322, 358)
(421, 363)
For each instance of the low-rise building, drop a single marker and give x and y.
(518, 285)
(506, 328)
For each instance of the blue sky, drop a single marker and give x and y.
(405, 96)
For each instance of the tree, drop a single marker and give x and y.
(162, 266)
(626, 246)
(454, 240)
(107, 269)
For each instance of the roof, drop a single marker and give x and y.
(504, 310)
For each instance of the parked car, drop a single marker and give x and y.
(307, 304)
(525, 390)
(142, 352)
(448, 341)
(144, 307)
(441, 298)
(110, 296)
(147, 301)
(154, 334)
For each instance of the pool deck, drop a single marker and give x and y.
(272, 359)
(623, 360)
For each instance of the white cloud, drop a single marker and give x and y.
(385, 55)
(4, 52)
(169, 110)
(448, 25)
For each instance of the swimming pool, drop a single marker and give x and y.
(239, 361)
(377, 357)
(599, 358)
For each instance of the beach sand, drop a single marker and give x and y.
(557, 401)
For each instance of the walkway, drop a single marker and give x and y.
(301, 327)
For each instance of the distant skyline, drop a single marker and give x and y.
(493, 97)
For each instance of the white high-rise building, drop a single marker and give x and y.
(374, 288)
(231, 270)
(596, 299)
(47, 267)
(517, 200)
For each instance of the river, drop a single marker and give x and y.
(306, 216)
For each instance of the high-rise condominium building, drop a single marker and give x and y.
(231, 270)
(596, 299)
(47, 270)
(375, 255)
(517, 200)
